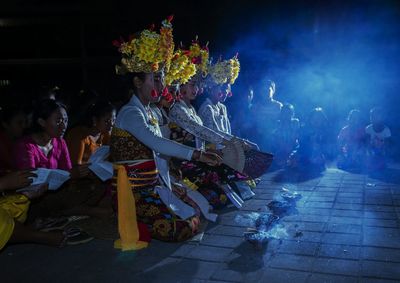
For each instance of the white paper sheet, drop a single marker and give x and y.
(54, 177)
(99, 166)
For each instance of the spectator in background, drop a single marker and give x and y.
(268, 111)
(13, 124)
(351, 142)
(311, 153)
(378, 134)
(286, 135)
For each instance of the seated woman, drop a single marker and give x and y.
(186, 127)
(45, 147)
(351, 142)
(13, 213)
(378, 134)
(311, 152)
(13, 124)
(85, 139)
(286, 135)
(137, 147)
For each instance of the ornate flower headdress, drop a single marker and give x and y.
(181, 68)
(148, 52)
(225, 71)
(199, 56)
(187, 63)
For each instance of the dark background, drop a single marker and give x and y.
(335, 54)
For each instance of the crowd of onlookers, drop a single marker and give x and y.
(307, 144)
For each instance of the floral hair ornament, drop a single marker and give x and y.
(181, 68)
(147, 51)
(224, 71)
(199, 56)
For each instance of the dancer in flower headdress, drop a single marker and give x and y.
(145, 199)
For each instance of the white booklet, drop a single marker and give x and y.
(53, 177)
(102, 168)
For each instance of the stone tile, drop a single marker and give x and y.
(381, 254)
(336, 266)
(329, 278)
(338, 238)
(321, 199)
(273, 275)
(237, 273)
(352, 189)
(379, 269)
(350, 195)
(374, 280)
(349, 200)
(318, 204)
(307, 218)
(347, 213)
(292, 262)
(221, 241)
(381, 223)
(227, 230)
(183, 250)
(209, 253)
(314, 211)
(343, 228)
(306, 226)
(324, 194)
(310, 237)
(298, 248)
(380, 215)
(381, 237)
(371, 207)
(202, 270)
(345, 220)
(326, 189)
(378, 201)
(339, 251)
(350, 206)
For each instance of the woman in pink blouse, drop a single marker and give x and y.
(46, 148)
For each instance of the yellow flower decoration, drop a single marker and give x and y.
(181, 69)
(147, 51)
(199, 56)
(225, 71)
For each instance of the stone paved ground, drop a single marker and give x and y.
(350, 233)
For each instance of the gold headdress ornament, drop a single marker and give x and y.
(225, 71)
(148, 52)
(181, 68)
(187, 63)
(199, 56)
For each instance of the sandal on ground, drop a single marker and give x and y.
(75, 236)
(50, 223)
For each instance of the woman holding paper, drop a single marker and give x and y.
(46, 148)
